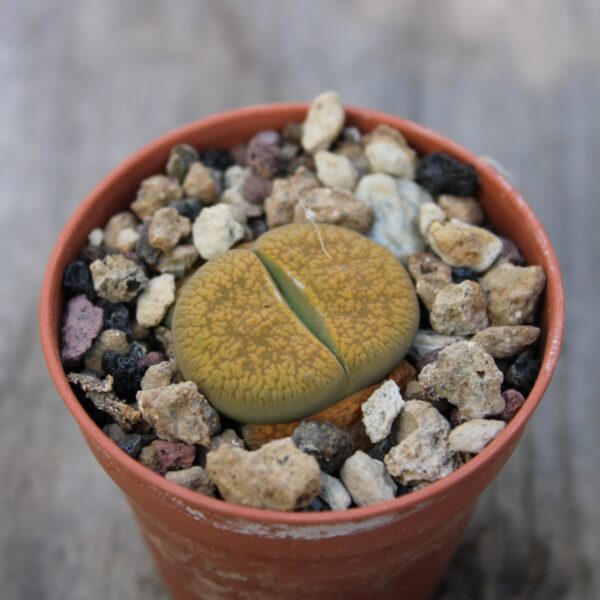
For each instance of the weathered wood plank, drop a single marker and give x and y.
(84, 84)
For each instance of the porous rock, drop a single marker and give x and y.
(117, 278)
(512, 293)
(193, 478)
(474, 435)
(82, 323)
(388, 152)
(332, 491)
(324, 122)
(159, 375)
(396, 205)
(467, 210)
(459, 309)
(154, 193)
(467, 377)
(179, 412)
(523, 373)
(228, 437)
(462, 245)
(505, 341)
(162, 456)
(513, 400)
(278, 476)
(367, 480)
(155, 300)
(441, 173)
(431, 276)
(422, 452)
(203, 183)
(336, 207)
(180, 160)
(216, 230)
(335, 170)
(166, 228)
(381, 409)
(280, 205)
(109, 339)
(329, 444)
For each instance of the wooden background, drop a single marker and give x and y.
(83, 84)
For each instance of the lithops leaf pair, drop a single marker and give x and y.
(300, 320)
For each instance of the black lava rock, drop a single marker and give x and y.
(116, 316)
(329, 444)
(521, 375)
(91, 253)
(460, 274)
(137, 350)
(317, 505)
(439, 173)
(180, 161)
(77, 279)
(126, 373)
(145, 251)
(132, 443)
(380, 449)
(188, 207)
(258, 226)
(216, 158)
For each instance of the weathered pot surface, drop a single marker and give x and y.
(206, 548)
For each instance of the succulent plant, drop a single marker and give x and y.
(294, 324)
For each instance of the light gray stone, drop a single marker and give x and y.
(367, 480)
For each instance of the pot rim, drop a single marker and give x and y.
(53, 280)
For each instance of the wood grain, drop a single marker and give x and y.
(86, 83)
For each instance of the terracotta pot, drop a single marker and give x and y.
(206, 548)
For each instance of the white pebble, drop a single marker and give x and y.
(155, 300)
(333, 492)
(216, 230)
(474, 435)
(380, 410)
(367, 479)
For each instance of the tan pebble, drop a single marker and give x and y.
(467, 210)
(109, 339)
(505, 341)
(459, 309)
(323, 123)
(335, 171)
(194, 478)
(389, 153)
(474, 435)
(127, 240)
(367, 480)
(154, 193)
(431, 275)
(116, 224)
(159, 375)
(167, 228)
(203, 183)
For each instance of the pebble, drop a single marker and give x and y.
(216, 230)
(430, 274)
(441, 174)
(180, 160)
(258, 226)
(109, 339)
(234, 196)
(77, 279)
(467, 210)
(505, 341)
(292, 133)
(278, 476)
(96, 237)
(264, 154)
(152, 358)
(511, 253)
(355, 153)
(474, 435)
(154, 193)
(144, 250)
(414, 391)
(367, 480)
(279, 206)
(117, 278)
(116, 224)
(513, 400)
(256, 188)
(388, 152)
(194, 478)
(203, 183)
(167, 228)
(162, 456)
(100, 394)
(521, 375)
(159, 375)
(512, 293)
(396, 205)
(179, 412)
(335, 171)
(126, 373)
(229, 437)
(467, 377)
(459, 309)
(428, 213)
(329, 444)
(462, 245)
(116, 316)
(460, 274)
(324, 122)
(82, 323)
(154, 301)
(336, 207)
(131, 443)
(179, 261)
(189, 208)
(427, 341)
(422, 452)
(381, 410)
(216, 158)
(332, 491)
(127, 240)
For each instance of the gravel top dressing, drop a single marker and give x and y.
(317, 319)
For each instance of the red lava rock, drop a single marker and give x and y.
(152, 358)
(83, 322)
(161, 456)
(513, 400)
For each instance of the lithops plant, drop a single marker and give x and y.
(304, 318)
